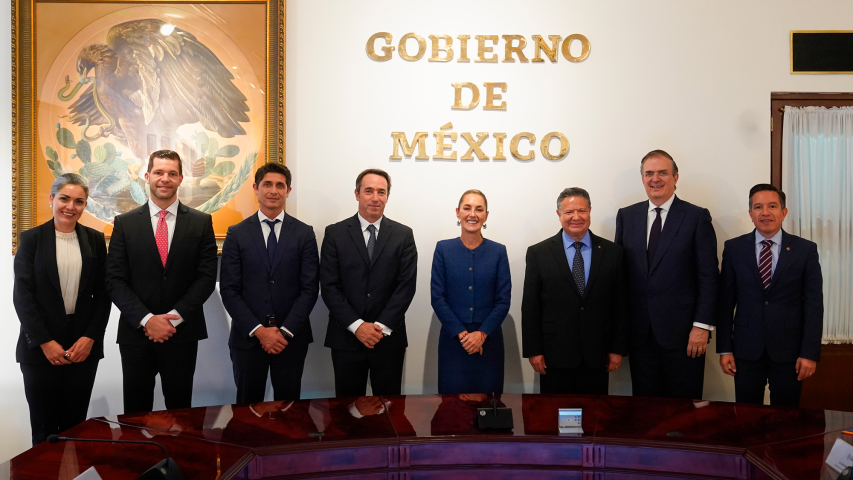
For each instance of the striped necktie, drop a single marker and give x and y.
(765, 263)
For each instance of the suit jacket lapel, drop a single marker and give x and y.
(358, 238)
(670, 229)
(559, 252)
(147, 231)
(597, 256)
(48, 243)
(748, 252)
(386, 230)
(284, 237)
(85, 254)
(784, 259)
(257, 232)
(181, 224)
(641, 227)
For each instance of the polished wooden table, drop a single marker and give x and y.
(435, 436)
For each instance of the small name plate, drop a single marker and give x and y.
(841, 455)
(569, 420)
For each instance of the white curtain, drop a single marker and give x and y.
(817, 176)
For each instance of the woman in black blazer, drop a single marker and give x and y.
(63, 308)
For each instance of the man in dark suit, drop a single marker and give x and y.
(368, 270)
(574, 314)
(671, 251)
(269, 285)
(160, 271)
(771, 305)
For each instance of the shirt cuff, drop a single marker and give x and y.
(724, 353)
(286, 331)
(252, 333)
(174, 323)
(354, 325)
(385, 330)
(177, 322)
(145, 320)
(710, 328)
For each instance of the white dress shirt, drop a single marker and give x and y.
(650, 219)
(69, 262)
(265, 229)
(171, 219)
(364, 224)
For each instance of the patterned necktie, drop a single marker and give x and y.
(272, 241)
(765, 263)
(371, 240)
(654, 237)
(162, 237)
(577, 267)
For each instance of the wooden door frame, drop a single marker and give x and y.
(778, 101)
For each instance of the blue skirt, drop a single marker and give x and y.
(459, 372)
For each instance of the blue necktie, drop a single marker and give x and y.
(272, 242)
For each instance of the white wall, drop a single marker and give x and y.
(692, 78)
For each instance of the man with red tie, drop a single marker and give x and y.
(161, 269)
(771, 305)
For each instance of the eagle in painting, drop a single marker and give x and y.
(149, 79)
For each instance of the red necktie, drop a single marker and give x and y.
(765, 263)
(162, 237)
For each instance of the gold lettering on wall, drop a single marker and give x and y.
(482, 49)
(474, 146)
(513, 146)
(499, 145)
(491, 96)
(409, 148)
(386, 50)
(510, 48)
(404, 54)
(546, 142)
(441, 146)
(463, 48)
(567, 45)
(540, 46)
(437, 50)
(457, 98)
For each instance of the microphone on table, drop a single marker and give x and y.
(166, 469)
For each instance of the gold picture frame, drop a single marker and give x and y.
(815, 72)
(48, 41)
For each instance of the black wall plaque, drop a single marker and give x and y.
(822, 52)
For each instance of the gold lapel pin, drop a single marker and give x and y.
(788, 249)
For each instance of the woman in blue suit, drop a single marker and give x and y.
(471, 287)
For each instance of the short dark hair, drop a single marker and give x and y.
(659, 153)
(766, 187)
(168, 155)
(273, 168)
(373, 171)
(573, 192)
(473, 191)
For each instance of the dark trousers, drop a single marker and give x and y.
(140, 365)
(753, 375)
(581, 380)
(385, 368)
(663, 372)
(251, 365)
(58, 395)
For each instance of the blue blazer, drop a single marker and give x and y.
(680, 285)
(787, 319)
(483, 307)
(252, 287)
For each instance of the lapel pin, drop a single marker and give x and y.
(788, 249)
